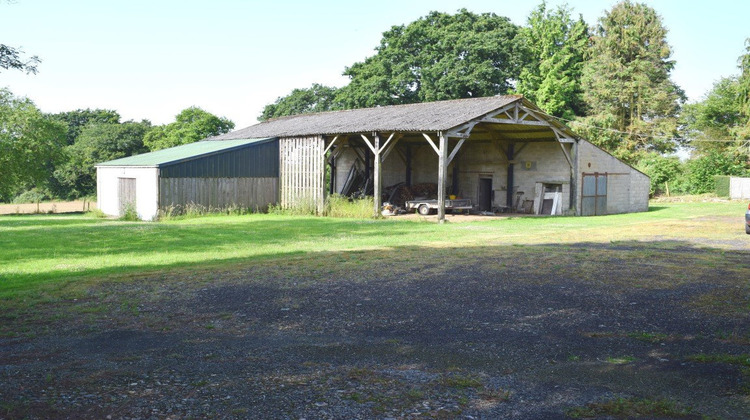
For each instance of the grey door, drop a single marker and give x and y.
(126, 194)
(594, 194)
(485, 194)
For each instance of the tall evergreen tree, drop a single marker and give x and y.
(627, 86)
(555, 45)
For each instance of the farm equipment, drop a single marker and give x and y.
(425, 207)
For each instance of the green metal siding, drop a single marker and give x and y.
(250, 161)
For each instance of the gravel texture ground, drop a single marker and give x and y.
(497, 332)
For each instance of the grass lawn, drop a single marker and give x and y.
(339, 318)
(39, 249)
(48, 253)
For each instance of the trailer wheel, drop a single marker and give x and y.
(424, 209)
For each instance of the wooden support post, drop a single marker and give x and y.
(377, 176)
(408, 165)
(442, 175)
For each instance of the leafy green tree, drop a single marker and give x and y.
(99, 142)
(626, 82)
(715, 123)
(700, 171)
(80, 118)
(556, 46)
(191, 125)
(30, 143)
(665, 172)
(11, 59)
(744, 91)
(439, 56)
(316, 98)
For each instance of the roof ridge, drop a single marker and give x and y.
(284, 117)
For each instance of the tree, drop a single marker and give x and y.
(80, 118)
(556, 46)
(701, 170)
(191, 125)
(744, 91)
(664, 171)
(30, 143)
(99, 142)
(713, 123)
(721, 121)
(626, 83)
(316, 98)
(439, 56)
(10, 58)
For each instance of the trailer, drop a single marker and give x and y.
(425, 207)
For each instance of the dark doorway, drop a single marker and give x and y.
(485, 194)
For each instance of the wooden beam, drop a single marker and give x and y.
(367, 141)
(330, 144)
(377, 176)
(463, 132)
(516, 122)
(390, 148)
(385, 145)
(429, 140)
(565, 152)
(442, 175)
(455, 151)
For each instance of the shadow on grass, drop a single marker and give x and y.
(557, 324)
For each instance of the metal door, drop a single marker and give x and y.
(594, 194)
(126, 194)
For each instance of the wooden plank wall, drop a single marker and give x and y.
(219, 193)
(301, 172)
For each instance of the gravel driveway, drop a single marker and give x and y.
(496, 332)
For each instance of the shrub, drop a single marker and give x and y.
(31, 196)
(129, 214)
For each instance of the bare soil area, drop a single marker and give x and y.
(517, 332)
(48, 207)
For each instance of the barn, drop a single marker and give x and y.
(502, 153)
(213, 175)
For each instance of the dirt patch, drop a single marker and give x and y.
(496, 332)
(48, 207)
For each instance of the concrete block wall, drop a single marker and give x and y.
(627, 188)
(542, 163)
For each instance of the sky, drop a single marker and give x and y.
(150, 59)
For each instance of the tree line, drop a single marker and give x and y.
(53, 155)
(610, 82)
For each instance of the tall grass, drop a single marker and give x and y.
(192, 210)
(355, 208)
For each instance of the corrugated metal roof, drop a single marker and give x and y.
(181, 153)
(420, 117)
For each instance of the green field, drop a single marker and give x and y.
(302, 316)
(52, 252)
